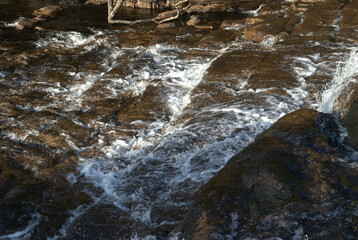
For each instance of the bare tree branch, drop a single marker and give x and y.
(132, 22)
(115, 9)
(112, 12)
(110, 7)
(176, 5)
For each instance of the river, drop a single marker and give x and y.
(133, 126)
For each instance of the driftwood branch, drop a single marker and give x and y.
(109, 7)
(113, 10)
(133, 22)
(176, 5)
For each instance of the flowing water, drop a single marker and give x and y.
(136, 120)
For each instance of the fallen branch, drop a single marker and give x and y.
(113, 10)
(132, 22)
(176, 5)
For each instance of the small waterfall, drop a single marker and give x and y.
(345, 73)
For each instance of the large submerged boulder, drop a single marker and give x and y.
(292, 182)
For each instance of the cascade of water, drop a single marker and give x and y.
(345, 73)
(168, 159)
(155, 168)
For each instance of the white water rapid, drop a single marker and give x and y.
(345, 74)
(149, 163)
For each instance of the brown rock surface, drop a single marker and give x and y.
(289, 182)
(349, 108)
(27, 23)
(237, 5)
(96, 2)
(45, 12)
(320, 19)
(349, 22)
(40, 15)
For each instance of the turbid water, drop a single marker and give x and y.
(108, 131)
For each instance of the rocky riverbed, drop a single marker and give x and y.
(237, 120)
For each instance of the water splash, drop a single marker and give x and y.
(254, 13)
(67, 39)
(345, 73)
(167, 160)
(25, 233)
(11, 24)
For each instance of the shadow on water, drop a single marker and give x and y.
(11, 10)
(93, 16)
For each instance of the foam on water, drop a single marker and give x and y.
(172, 156)
(345, 73)
(151, 168)
(254, 13)
(303, 67)
(25, 233)
(148, 237)
(162, 62)
(269, 42)
(67, 39)
(74, 214)
(11, 24)
(73, 95)
(180, 78)
(336, 23)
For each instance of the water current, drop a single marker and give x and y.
(149, 161)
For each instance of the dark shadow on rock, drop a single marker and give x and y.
(289, 182)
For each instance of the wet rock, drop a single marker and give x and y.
(40, 15)
(104, 221)
(27, 23)
(283, 172)
(348, 23)
(213, 8)
(253, 20)
(258, 32)
(289, 182)
(232, 23)
(96, 2)
(166, 15)
(35, 189)
(46, 12)
(327, 12)
(139, 108)
(166, 25)
(147, 4)
(216, 37)
(194, 20)
(230, 5)
(350, 114)
(196, 9)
